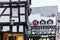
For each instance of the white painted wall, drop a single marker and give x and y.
(39, 18)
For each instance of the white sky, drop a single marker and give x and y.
(39, 3)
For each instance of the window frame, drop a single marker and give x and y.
(12, 11)
(43, 21)
(35, 22)
(51, 21)
(20, 27)
(59, 29)
(22, 18)
(6, 27)
(20, 11)
(14, 27)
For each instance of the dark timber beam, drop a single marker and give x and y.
(5, 3)
(8, 23)
(5, 15)
(2, 6)
(3, 11)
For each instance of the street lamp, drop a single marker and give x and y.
(11, 25)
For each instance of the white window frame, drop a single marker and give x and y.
(59, 29)
(22, 10)
(14, 28)
(21, 28)
(14, 11)
(6, 28)
(22, 18)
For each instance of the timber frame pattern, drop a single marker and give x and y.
(19, 4)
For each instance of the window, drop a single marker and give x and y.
(50, 21)
(52, 38)
(4, 19)
(12, 38)
(22, 10)
(22, 18)
(14, 11)
(14, 0)
(4, 1)
(42, 22)
(17, 0)
(14, 28)
(6, 28)
(35, 22)
(21, 28)
(22, 0)
(58, 29)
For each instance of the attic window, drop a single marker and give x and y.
(42, 22)
(35, 23)
(50, 21)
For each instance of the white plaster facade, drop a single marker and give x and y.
(38, 17)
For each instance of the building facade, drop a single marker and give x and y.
(13, 19)
(58, 27)
(43, 23)
(43, 28)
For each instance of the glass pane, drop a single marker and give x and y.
(50, 22)
(14, 29)
(44, 38)
(40, 39)
(22, 18)
(22, 0)
(52, 38)
(4, 19)
(4, 0)
(14, 0)
(14, 11)
(6, 28)
(42, 22)
(21, 28)
(47, 38)
(22, 10)
(12, 38)
(59, 30)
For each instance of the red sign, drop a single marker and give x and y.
(35, 25)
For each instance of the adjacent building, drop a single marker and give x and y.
(13, 19)
(58, 27)
(43, 23)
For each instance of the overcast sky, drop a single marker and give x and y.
(39, 3)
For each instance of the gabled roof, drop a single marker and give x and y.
(47, 10)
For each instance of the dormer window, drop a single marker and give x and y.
(50, 21)
(35, 23)
(42, 22)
